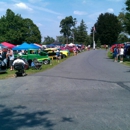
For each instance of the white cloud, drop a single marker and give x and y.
(23, 6)
(45, 10)
(80, 13)
(110, 10)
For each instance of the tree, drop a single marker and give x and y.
(10, 26)
(107, 29)
(15, 29)
(98, 44)
(81, 33)
(66, 26)
(60, 39)
(31, 32)
(122, 19)
(127, 16)
(48, 40)
(122, 38)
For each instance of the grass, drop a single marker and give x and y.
(125, 62)
(110, 55)
(10, 74)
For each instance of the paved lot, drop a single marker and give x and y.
(85, 92)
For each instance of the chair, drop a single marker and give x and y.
(36, 64)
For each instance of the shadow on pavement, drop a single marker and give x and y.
(11, 119)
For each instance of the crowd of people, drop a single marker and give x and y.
(118, 54)
(7, 56)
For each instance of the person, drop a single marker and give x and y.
(121, 54)
(11, 58)
(18, 60)
(116, 54)
(58, 55)
(0, 56)
(106, 47)
(4, 56)
(75, 51)
(20, 53)
(88, 47)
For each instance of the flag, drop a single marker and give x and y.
(94, 30)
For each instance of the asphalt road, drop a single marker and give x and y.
(85, 92)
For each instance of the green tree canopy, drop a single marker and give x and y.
(122, 19)
(31, 32)
(16, 30)
(81, 33)
(66, 26)
(127, 16)
(48, 40)
(107, 29)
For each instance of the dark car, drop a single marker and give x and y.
(3, 67)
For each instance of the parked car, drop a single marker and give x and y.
(64, 53)
(52, 54)
(34, 54)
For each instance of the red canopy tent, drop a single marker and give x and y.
(9, 45)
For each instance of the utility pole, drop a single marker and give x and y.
(73, 32)
(73, 37)
(93, 38)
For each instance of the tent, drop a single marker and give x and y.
(9, 45)
(71, 44)
(2, 46)
(38, 45)
(25, 46)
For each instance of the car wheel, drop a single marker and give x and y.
(45, 62)
(64, 56)
(15, 75)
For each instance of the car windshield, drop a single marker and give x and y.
(42, 54)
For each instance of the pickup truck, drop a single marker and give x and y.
(31, 54)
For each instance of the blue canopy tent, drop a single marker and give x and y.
(25, 46)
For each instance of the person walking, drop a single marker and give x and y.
(4, 56)
(58, 55)
(121, 53)
(116, 54)
(11, 58)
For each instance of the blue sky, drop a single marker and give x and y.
(47, 14)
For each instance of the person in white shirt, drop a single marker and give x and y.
(121, 53)
(18, 60)
(11, 58)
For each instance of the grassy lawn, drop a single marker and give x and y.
(10, 74)
(126, 61)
